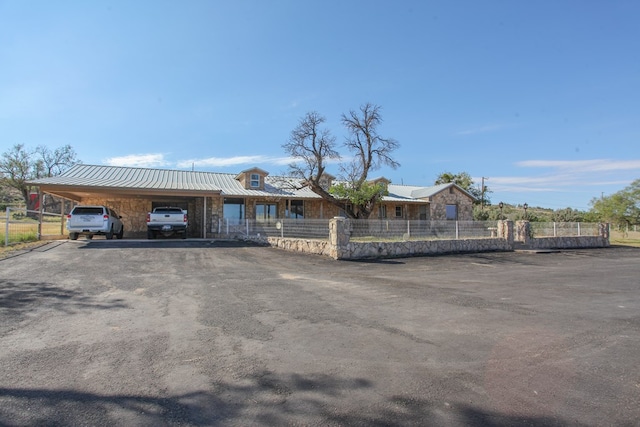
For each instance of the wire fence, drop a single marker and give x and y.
(564, 229)
(21, 225)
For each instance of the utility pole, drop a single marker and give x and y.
(482, 191)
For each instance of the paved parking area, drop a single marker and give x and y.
(198, 333)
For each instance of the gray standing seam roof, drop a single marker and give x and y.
(224, 183)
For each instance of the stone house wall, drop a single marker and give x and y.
(339, 245)
(452, 196)
(132, 210)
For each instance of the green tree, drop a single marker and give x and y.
(621, 208)
(313, 147)
(19, 165)
(464, 181)
(567, 215)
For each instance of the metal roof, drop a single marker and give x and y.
(130, 178)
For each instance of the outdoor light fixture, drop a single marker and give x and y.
(501, 205)
(525, 206)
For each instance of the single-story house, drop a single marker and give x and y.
(251, 194)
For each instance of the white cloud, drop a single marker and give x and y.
(234, 161)
(138, 160)
(596, 165)
(566, 175)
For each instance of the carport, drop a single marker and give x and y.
(133, 193)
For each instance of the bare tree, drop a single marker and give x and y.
(315, 147)
(312, 147)
(18, 166)
(370, 150)
(52, 163)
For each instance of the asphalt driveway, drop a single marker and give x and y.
(198, 333)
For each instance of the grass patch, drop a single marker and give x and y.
(27, 230)
(631, 238)
(626, 242)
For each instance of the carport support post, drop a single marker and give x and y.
(204, 218)
(6, 227)
(40, 208)
(63, 203)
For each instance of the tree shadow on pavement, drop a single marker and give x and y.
(261, 399)
(165, 244)
(18, 298)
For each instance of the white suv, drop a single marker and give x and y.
(92, 220)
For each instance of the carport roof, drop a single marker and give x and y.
(83, 179)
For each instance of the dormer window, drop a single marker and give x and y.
(382, 181)
(252, 179)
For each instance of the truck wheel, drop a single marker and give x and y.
(73, 236)
(184, 234)
(109, 235)
(150, 234)
(121, 233)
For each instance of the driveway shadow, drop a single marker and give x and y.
(18, 298)
(164, 244)
(261, 399)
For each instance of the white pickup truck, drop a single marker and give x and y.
(167, 221)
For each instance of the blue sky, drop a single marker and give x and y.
(542, 98)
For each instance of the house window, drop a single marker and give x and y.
(452, 212)
(382, 211)
(398, 211)
(255, 180)
(297, 209)
(424, 215)
(266, 212)
(233, 209)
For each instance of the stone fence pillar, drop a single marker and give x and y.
(505, 231)
(604, 230)
(339, 235)
(523, 232)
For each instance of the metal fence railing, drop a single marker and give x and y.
(421, 229)
(299, 228)
(563, 229)
(21, 225)
(376, 229)
(360, 229)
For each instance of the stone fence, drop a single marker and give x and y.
(509, 237)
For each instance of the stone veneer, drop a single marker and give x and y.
(440, 201)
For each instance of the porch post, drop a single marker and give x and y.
(204, 217)
(63, 202)
(40, 202)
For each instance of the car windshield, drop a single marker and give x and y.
(87, 211)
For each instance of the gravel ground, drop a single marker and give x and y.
(198, 333)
